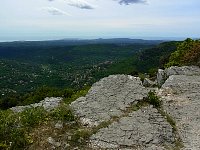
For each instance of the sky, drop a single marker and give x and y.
(57, 19)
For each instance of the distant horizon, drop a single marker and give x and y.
(88, 19)
(94, 38)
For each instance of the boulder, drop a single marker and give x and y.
(108, 98)
(162, 75)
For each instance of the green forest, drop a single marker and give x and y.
(31, 71)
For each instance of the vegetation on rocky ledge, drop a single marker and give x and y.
(16, 128)
(187, 53)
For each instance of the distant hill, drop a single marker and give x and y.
(64, 42)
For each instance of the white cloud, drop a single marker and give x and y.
(127, 2)
(55, 11)
(82, 4)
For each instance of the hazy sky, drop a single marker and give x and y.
(54, 19)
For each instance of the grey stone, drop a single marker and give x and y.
(48, 104)
(181, 99)
(66, 147)
(18, 109)
(53, 142)
(162, 75)
(59, 125)
(184, 70)
(107, 98)
(69, 137)
(144, 128)
(148, 83)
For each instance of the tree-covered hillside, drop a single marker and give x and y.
(147, 60)
(26, 66)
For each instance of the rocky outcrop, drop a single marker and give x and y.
(48, 104)
(181, 99)
(162, 75)
(173, 126)
(108, 98)
(142, 129)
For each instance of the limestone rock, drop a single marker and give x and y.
(107, 98)
(53, 142)
(143, 129)
(148, 83)
(48, 104)
(59, 125)
(162, 75)
(181, 100)
(184, 70)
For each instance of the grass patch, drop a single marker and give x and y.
(80, 137)
(63, 113)
(32, 117)
(170, 120)
(12, 134)
(178, 144)
(15, 128)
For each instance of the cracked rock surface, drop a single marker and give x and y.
(49, 103)
(142, 129)
(181, 99)
(107, 98)
(162, 75)
(146, 128)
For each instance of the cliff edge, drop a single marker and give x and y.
(132, 122)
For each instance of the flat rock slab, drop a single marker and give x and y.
(181, 100)
(184, 70)
(49, 103)
(142, 129)
(162, 75)
(107, 98)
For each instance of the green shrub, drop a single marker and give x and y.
(63, 113)
(153, 99)
(142, 76)
(32, 117)
(187, 53)
(80, 136)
